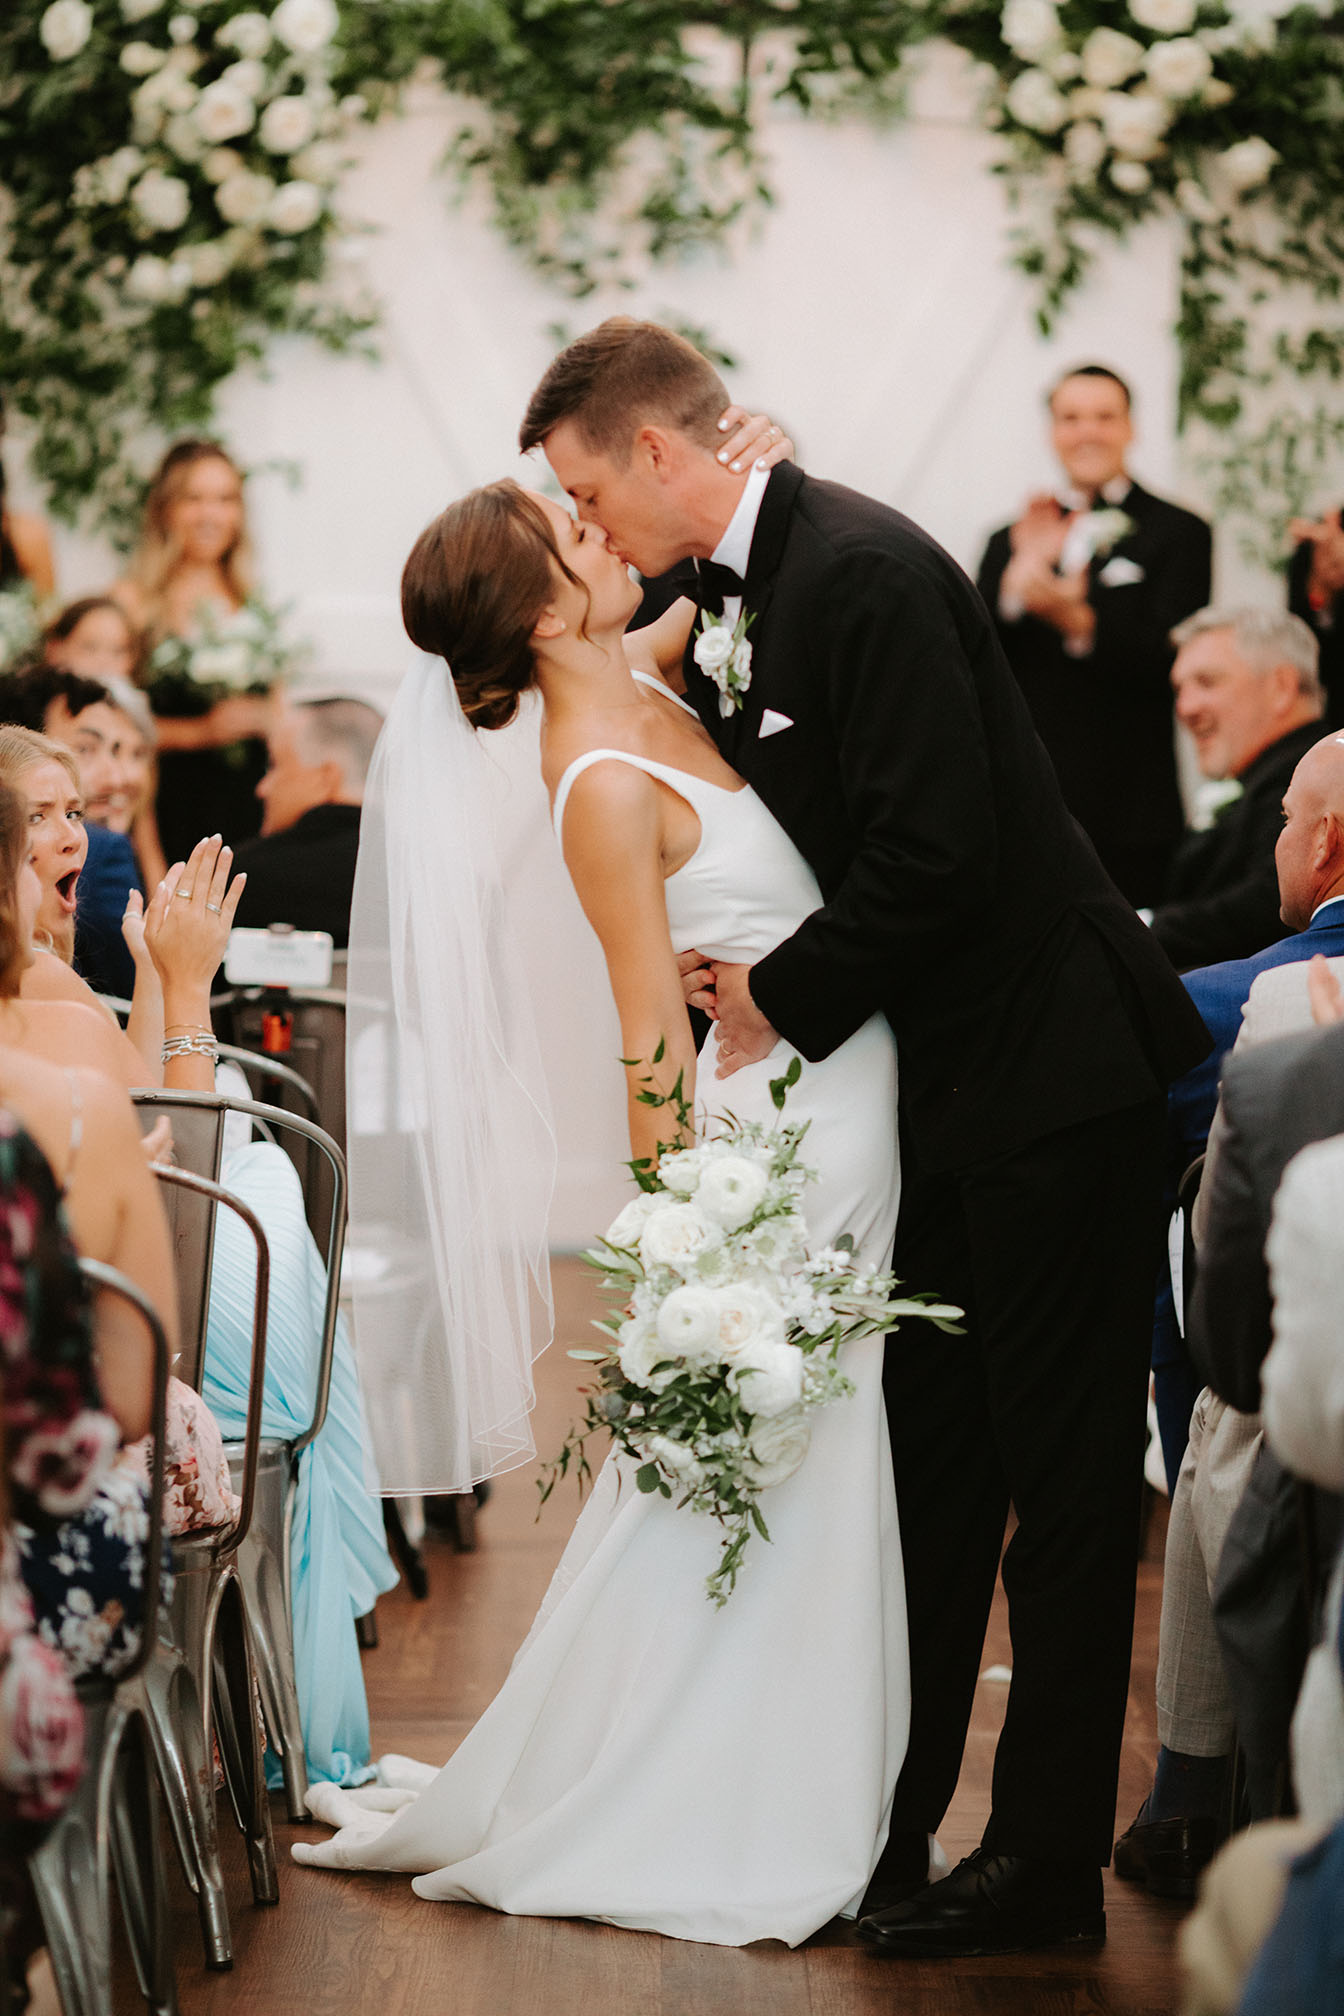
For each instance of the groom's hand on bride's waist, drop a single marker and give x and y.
(697, 983)
(745, 1037)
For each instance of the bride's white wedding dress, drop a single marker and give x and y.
(651, 1761)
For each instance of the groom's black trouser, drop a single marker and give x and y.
(1042, 1405)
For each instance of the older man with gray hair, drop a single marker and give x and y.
(1249, 693)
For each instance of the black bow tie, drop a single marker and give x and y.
(715, 583)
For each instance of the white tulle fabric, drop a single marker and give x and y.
(717, 1775)
(451, 1147)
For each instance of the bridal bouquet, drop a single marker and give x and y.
(239, 653)
(727, 1330)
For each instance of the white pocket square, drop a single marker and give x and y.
(772, 724)
(1120, 572)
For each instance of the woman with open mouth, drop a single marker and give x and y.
(58, 841)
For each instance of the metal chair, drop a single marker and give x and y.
(316, 1049)
(264, 1554)
(202, 1676)
(112, 1822)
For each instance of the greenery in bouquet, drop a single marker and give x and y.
(243, 652)
(20, 625)
(727, 1331)
(167, 207)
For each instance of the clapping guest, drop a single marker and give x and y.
(194, 563)
(1316, 594)
(1086, 587)
(1248, 692)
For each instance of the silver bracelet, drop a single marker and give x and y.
(191, 1046)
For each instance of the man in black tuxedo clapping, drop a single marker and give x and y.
(1085, 589)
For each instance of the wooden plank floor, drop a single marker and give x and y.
(355, 1944)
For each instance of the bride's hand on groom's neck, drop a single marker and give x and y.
(752, 436)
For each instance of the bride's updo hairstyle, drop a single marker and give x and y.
(473, 591)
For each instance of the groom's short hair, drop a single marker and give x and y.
(620, 377)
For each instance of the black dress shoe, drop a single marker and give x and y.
(992, 1904)
(902, 1871)
(1167, 1856)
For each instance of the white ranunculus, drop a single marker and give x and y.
(163, 201)
(675, 1236)
(641, 1349)
(1164, 17)
(1035, 101)
(139, 10)
(223, 112)
(770, 1379)
(1131, 176)
(65, 28)
(748, 1319)
(626, 1226)
(777, 1448)
(1030, 28)
(286, 125)
(157, 280)
(688, 1324)
(731, 1188)
(242, 197)
(714, 647)
(320, 163)
(1110, 57)
(1134, 122)
(1179, 69)
(295, 207)
(220, 163)
(1195, 201)
(680, 1171)
(305, 26)
(1247, 163)
(1085, 146)
(249, 33)
(675, 1458)
(141, 59)
(210, 262)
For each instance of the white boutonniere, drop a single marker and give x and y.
(723, 653)
(1106, 529)
(1213, 795)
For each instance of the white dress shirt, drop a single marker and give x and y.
(734, 549)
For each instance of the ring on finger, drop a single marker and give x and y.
(184, 895)
(216, 907)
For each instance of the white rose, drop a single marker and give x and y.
(139, 10)
(295, 207)
(688, 1324)
(241, 198)
(286, 124)
(1195, 202)
(1033, 100)
(249, 33)
(714, 647)
(1134, 123)
(1110, 57)
(731, 1189)
(1131, 176)
(222, 112)
(675, 1236)
(640, 1350)
(141, 59)
(1085, 146)
(246, 76)
(65, 28)
(209, 262)
(220, 163)
(1179, 69)
(777, 1448)
(770, 1379)
(156, 280)
(1029, 27)
(675, 1458)
(1164, 17)
(164, 201)
(1247, 164)
(748, 1320)
(322, 162)
(305, 26)
(626, 1226)
(680, 1171)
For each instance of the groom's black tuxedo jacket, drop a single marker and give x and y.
(959, 897)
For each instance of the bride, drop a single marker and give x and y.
(651, 1761)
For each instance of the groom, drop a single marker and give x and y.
(1037, 1026)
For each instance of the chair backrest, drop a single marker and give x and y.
(196, 1113)
(109, 1281)
(185, 1180)
(316, 1049)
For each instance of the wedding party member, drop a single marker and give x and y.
(1247, 691)
(1037, 1025)
(1316, 594)
(301, 871)
(193, 563)
(25, 543)
(93, 637)
(1086, 587)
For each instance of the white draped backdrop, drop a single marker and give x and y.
(873, 310)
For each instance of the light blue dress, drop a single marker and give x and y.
(340, 1562)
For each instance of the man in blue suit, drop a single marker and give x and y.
(1309, 860)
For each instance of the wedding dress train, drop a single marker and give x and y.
(651, 1761)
